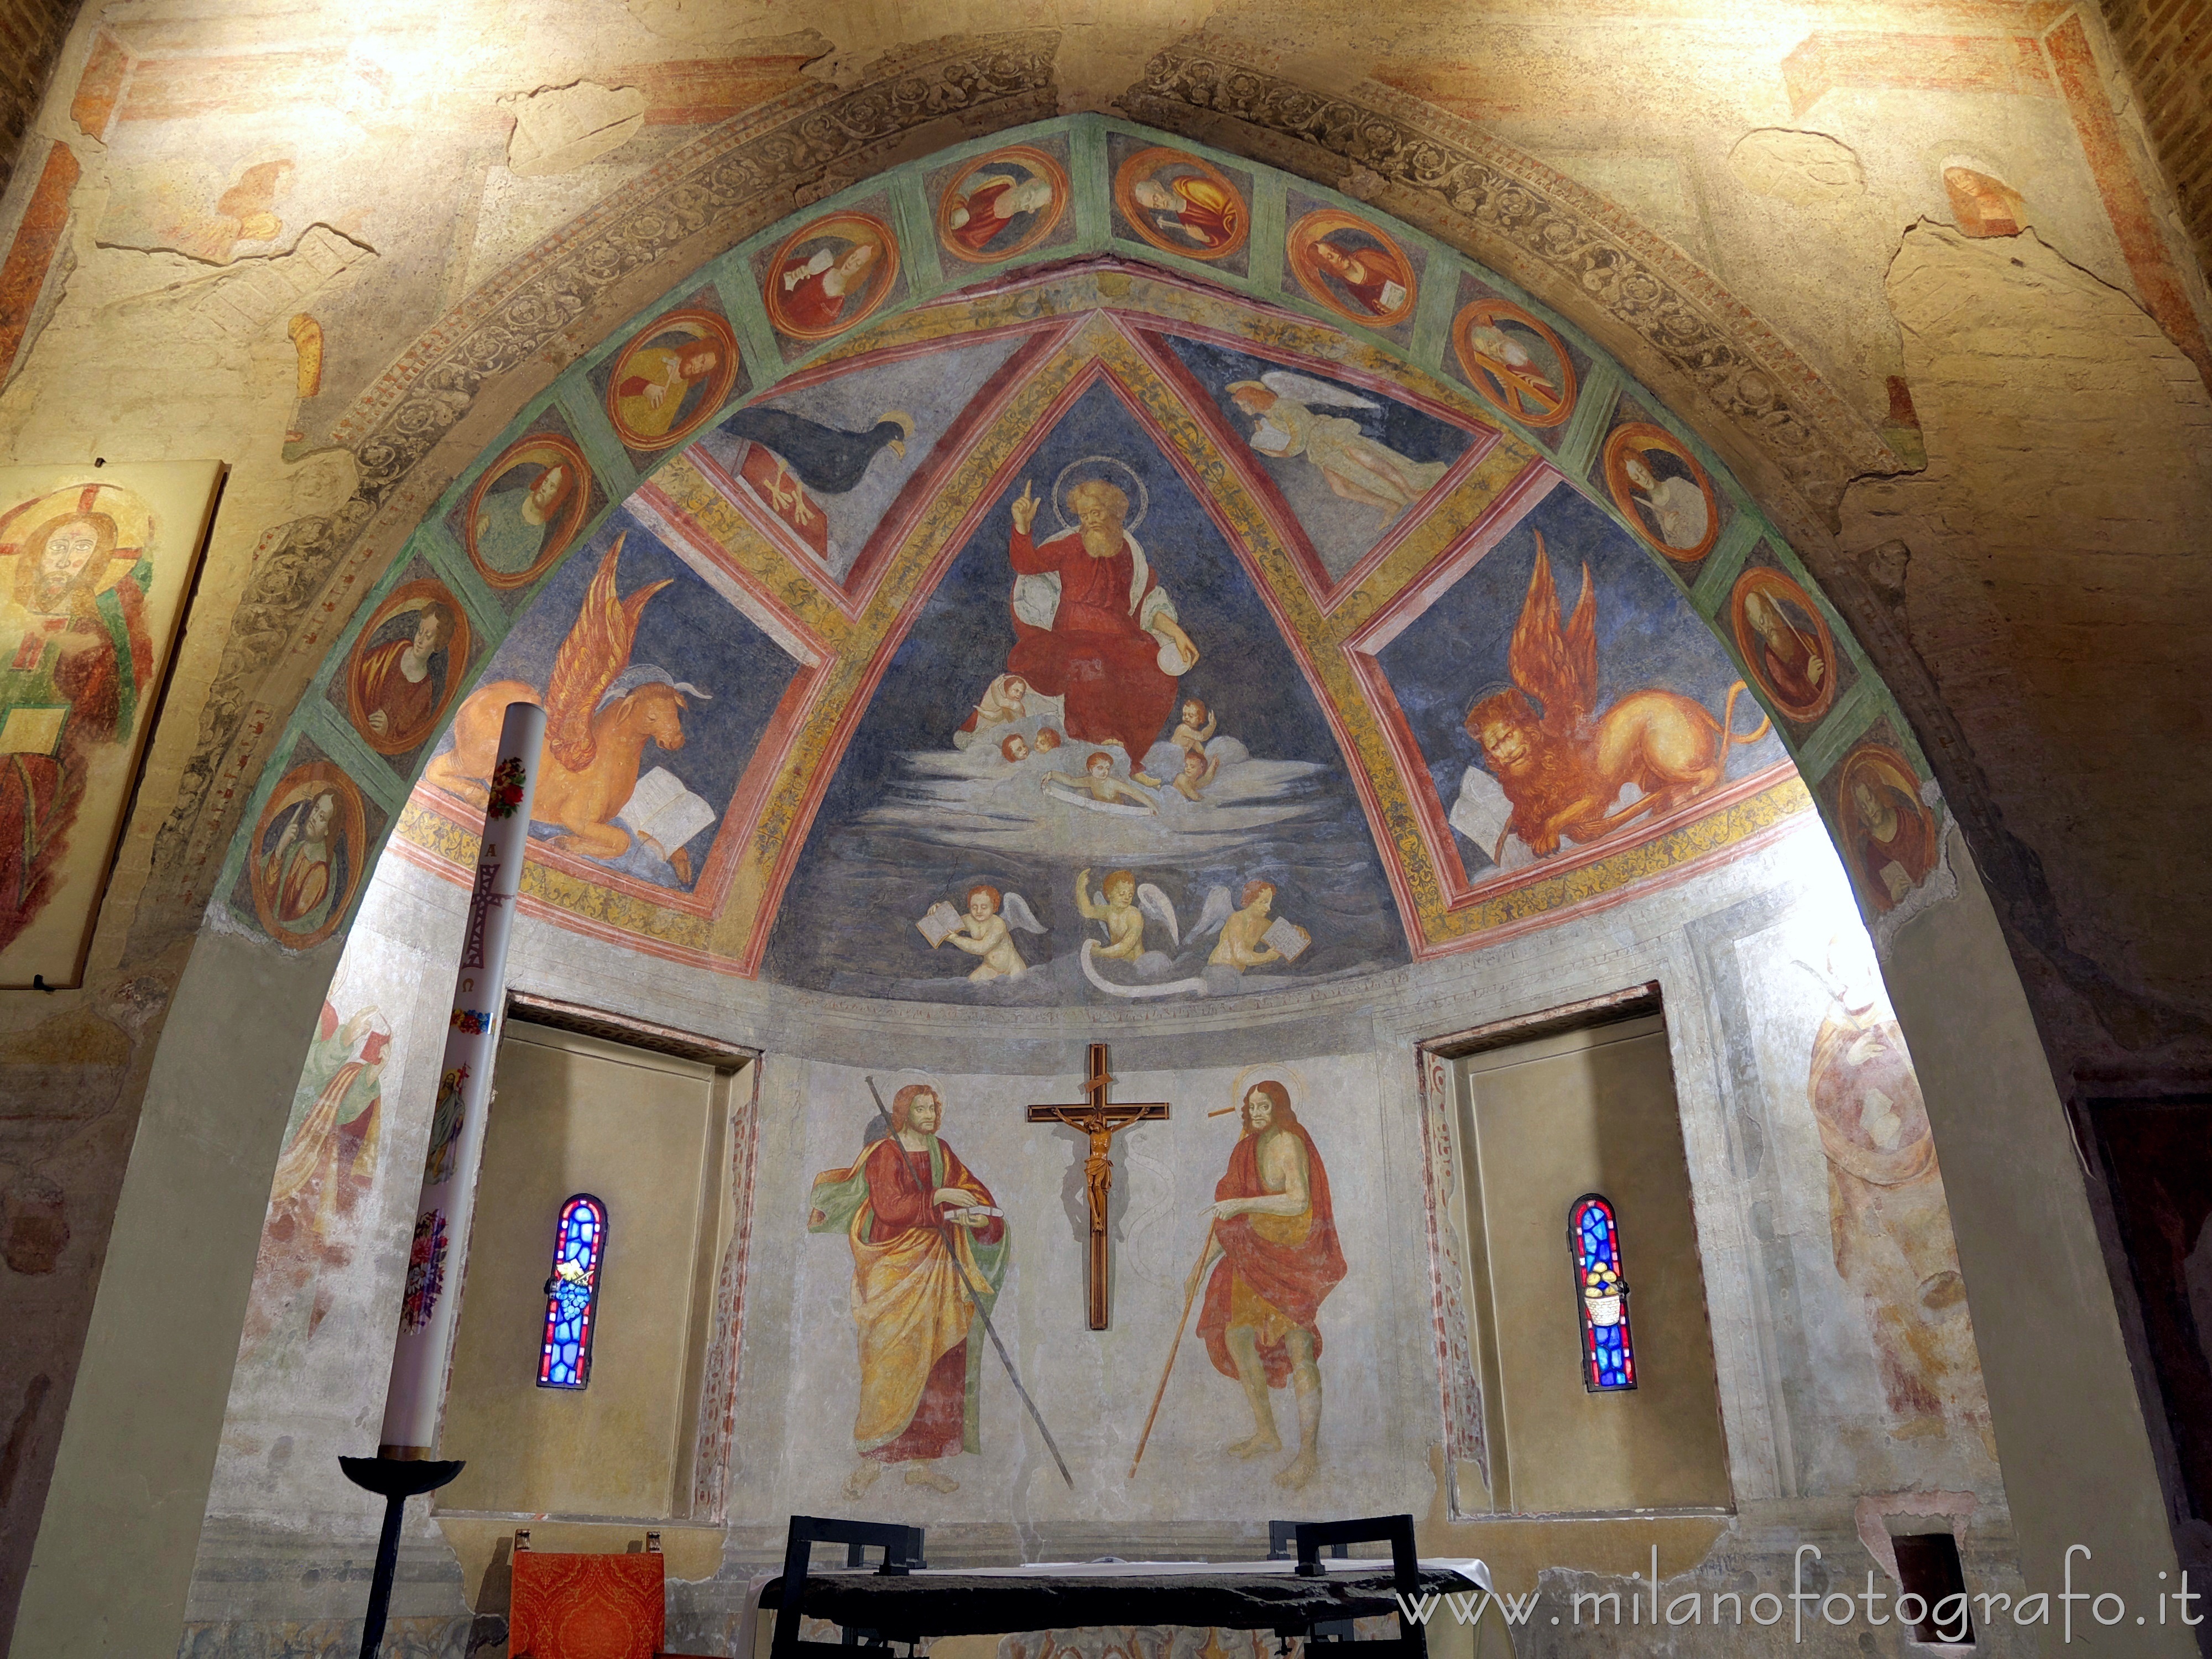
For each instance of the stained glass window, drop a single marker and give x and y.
(572, 1294)
(1601, 1295)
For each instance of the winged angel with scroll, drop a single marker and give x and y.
(600, 713)
(1355, 467)
(1557, 768)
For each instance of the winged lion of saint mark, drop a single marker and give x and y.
(1560, 763)
(600, 713)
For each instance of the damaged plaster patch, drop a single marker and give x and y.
(248, 296)
(1806, 169)
(557, 129)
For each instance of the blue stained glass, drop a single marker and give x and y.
(572, 1294)
(1600, 1296)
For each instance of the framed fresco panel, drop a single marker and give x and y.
(96, 566)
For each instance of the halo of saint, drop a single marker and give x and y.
(1001, 205)
(831, 276)
(527, 509)
(1182, 204)
(1662, 491)
(310, 847)
(406, 668)
(1493, 341)
(1353, 268)
(1785, 642)
(672, 378)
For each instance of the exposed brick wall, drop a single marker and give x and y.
(31, 34)
(2167, 47)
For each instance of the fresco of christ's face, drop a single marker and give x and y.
(68, 549)
(1259, 1110)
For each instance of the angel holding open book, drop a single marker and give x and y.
(1357, 467)
(983, 931)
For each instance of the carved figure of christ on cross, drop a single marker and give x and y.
(1102, 1120)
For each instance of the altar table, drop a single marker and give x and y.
(986, 1601)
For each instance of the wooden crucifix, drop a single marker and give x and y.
(1102, 1120)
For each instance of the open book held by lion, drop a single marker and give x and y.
(1561, 764)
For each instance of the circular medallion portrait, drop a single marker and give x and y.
(1785, 642)
(406, 667)
(668, 382)
(310, 850)
(1658, 483)
(527, 508)
(1003, 205)
(1355, 269)
(1888, 835)
(1519, 367)
(1180, 204)
(830, 275)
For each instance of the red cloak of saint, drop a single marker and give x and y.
(1912, 848)
(1291, 1277)
(1379, 270)
(982, 225)
(407, 705)
(811, 305)
(1094, 654)
(39, 794)
(902, 1204)
(1208, 212)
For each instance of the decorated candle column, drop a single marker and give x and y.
(431, 1304)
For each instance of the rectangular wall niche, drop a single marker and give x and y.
(647, 1134)
(1538, 1125)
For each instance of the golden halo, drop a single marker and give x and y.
(135, 529)
(1289, 1076)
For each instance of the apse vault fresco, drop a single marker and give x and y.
(1083, 568)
